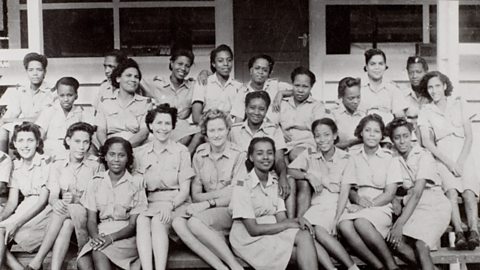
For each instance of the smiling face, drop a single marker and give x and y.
(302, 86)
(436, 89)
(416, 73)
(217, 132)
(260, 71)
(181, 67)
(129, 80)
(256, 110)
(66, 96)
(376, 67)
(223, 63)
(324, 137)
(79, 144)
(372, 134)
(262, 156)
(162, 127)
(402, 139)
(35, 72)
(116, 158)
(26, 144)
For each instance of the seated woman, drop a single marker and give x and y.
(446, 118)
(55, 120)
(69, 176)
(218, 164)
(25, 101)
(123, 114)
(177, 91)
(261, 234)
(167, 171)
(374, 174)
(25, 223)
(113, 200)
(427, 211)
(323, 168)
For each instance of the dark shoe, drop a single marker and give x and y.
(473, 240)
(28, 267)
(460, 241)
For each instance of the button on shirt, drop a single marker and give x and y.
(215, 96)
(241, 134)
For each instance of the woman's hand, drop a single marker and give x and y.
(284, 188)
(276, 102)
(315, 182)
(352, 208)
(292, 223)
(195, 208)
(364, 202)
(60, 207)
(454, 169)
(165, 213)
(394, 237)
(67, 197)
(101, 241)
(306, 225)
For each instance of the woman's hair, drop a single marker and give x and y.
(372, 52)
(79, 126)
(120, 56)
(35, 57)
(371, 117)
(303, 71)
(213, 54)
(118, 71)
(126, 145)
(328, 122)
(162, 108)
(258, 94)
(396, 123)
(69, 81)
(417, 60)
(267, 58)
(212, 115)
(181, 52)
(27, 127)
(251, 148)
(442, 77)
(345, 83)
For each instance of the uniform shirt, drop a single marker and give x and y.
(22, 102)
(387, 100)
(241, 134)
(105, 90)
(449, 122)
(215, 96)
(215, 173)
(271, 86)
(419, 164)
(30, 180)
(64, 177)
(119, 120)
(5, 167)
(347, 122)
(251, 200)
(117, 202)
(181, 98)
(165, 170)
(330, 171)
(377, 172)
(414, 104)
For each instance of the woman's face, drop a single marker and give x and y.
(436, 89)
(416, 73)
(66, 96)
(129, 80)
(256, 110)
(263, 156)
(35, 72)
(162, 127)
(79, 144)
(26, 144)
(372, 134)
(217, 132)
(302, 86)
(324, 137)
(376, 66)
(181, 67)
(109, 64)
(402, 139)
(116, 158)
(351, 98)
(223, 63)
(260, 71)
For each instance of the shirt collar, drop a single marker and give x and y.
(291, 100)
(214, 79)
(266, 123)
(272, 179)
(37, 161)
(343, 110)
(127, 177)
(338, 154)
(381, 152)
(227, 152)
(169, 147)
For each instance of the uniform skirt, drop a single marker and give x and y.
(323, 209)
(218, 219)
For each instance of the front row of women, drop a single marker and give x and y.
(128, 211)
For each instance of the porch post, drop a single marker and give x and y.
(224, 23)
(317, 43)
(35, 25)
(448, 39)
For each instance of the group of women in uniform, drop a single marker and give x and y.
(255, 171)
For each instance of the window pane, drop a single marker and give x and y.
(77, 32)
(153, 31)
(469, 22)
(66, 1)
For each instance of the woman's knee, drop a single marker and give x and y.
(422, 248)
(362, 224)
(345, 227)
(68, 226)
(303, 237)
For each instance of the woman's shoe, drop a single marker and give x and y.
(460, 241)
(473, 240)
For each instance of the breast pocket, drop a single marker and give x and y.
(123, 205)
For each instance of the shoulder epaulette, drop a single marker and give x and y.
(238, 124)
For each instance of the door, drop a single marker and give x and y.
(278, 28)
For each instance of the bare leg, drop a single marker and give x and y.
(160, 243)
(181, 228)
(304, 196)
(456, 220)
(12, 262)
(293, 154)
(306, 253)
(406, 252)
(375, 241)
(347, 229)
(144, 242)
(333, 246)
(323, 257)
(101, 261)
(214, 242)
(85, 262)
(423, 252)
(60, 247)
(471, 209)
(290, 202)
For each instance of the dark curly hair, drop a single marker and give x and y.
(163, 108)
(118, 71)
(267, 57)
(79, 126)
(396, 123)
(258, 94)
(371, 117)
(328, 122)
(213, 114)
(35, 57)
(27, 127)
(181, 52)
(251, 148)
(303, 71)
(214, 52)
(126, 145)
(345, 83)
(442, 77)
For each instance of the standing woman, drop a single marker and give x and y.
(167, 171)
(123, 114)
(113, 200)
(445, 118)
(25, 222)
(323, 168)
(371, 177)
(69, 176)
(427, 211)
(261, 233)
(218, 164)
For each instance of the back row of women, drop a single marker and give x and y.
(288, 173)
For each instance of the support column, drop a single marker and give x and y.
(35, 25)
(317, 43)
(426, 23)
(224, 23)
(448, 39)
